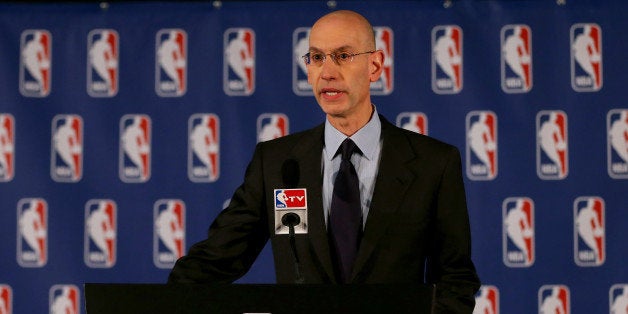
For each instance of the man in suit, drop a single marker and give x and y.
(413, 221)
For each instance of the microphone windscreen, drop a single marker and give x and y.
(290, 173)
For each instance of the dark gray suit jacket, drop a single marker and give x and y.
(417, 230)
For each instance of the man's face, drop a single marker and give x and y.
(342, 90)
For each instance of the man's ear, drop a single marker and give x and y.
(376, 65)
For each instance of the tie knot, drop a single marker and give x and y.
(347, 148)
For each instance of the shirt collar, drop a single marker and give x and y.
(367, 138)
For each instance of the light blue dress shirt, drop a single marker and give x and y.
(369, 142)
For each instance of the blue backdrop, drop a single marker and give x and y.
(125, 127)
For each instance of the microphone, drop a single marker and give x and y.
(290, 175)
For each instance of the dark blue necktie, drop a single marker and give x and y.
(345, 217)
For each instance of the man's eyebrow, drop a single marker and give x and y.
(342, 48)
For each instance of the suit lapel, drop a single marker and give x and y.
(308, 152)
(393, 180)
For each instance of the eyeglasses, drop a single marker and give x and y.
(340, 57)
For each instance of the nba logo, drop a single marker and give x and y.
(413, 121)
(554, 299)
(552, 154)
(102, 63)
(589, 231)
(135, 148)
(66, 158)
(35, 63)
(487, 300)
(447, 59)
(32, 232)
(171, 62)
(301, 46)
(481, 145)
(384, 42)
(271, 126)
(586, 57)
(518, 232)
(169, 232)
(203, 147)
(100, 233)
(6, 299)
(7, 147)
(618, 299)
(516, 63)
(239, 62)
(617, 128)
(65, 299)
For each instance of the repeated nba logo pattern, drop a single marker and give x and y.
(101, 233)
(66, 158)
(617, 129)
(32, 232)
(481, 145)
(552, 149)
(135, 148)
(171, 62)
(271, 126)
(518, 232)
(589, 231)
(516, 58)
(487, 300)
(554, 299)
(239, 62)
(384, 41)
(36, 63)
(169, 232)
(447, 59)
(65, 299)
(300, 46)
(203, 147)
(102, 63)
(413, 121)
(7, 147)
(586, 57)
(6, 299)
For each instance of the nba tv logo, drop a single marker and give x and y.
(586, 57)
(290, 201)
(413, 121)
(271, 126)
(487, 300)
(239, 62)
(6, 299)
(169, 232)
(65, 299)
(554, 299)
(32, 232)
(301, 45)
(384, 41)
(7, 147)
(481, 145)
(617, 128)
(135, 148)
(102, 63)
(518, 232)
(171, 63)
(101, 221)
(35, 63)
(203, 147)
(447, 61)
(589, 231)
(66, 157)
(618, 299)
(552, 152)
(516, 58)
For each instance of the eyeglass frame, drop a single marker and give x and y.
(307, 57)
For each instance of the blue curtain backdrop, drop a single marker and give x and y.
(125, 127)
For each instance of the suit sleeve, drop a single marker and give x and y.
(235, 238)
(452, 270)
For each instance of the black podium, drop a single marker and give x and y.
(248, 298)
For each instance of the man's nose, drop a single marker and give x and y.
(329, 69)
